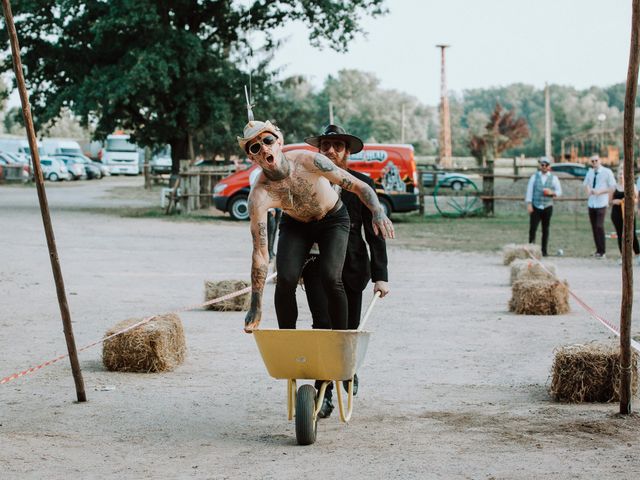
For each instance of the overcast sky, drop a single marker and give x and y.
(493, 42)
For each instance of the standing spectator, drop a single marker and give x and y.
(616, 198)
(543, 187)
(597, 183)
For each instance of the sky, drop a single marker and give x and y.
(493, 43)
(580, 43)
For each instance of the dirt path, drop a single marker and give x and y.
(453, 386)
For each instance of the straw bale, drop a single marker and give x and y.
(539, 297)
(240, 303)
(589, 373)
(511, 251)
(156, 346)
(531, 270)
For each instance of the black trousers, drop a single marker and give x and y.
(596, 217)
(538, 215)
(296, 238)
(318, 302)
(618, 222)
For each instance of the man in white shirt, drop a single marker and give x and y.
(543, 187)
(597, 183)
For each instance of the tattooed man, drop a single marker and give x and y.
(299, 183)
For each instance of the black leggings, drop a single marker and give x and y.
(295, 240)
(618, 222)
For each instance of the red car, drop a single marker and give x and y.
(392, 167)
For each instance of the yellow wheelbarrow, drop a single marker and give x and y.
(331, 355)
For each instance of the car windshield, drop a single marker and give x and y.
(120, 145)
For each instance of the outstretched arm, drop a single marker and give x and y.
(381, 224)
(259, 258)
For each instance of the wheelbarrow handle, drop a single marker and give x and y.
(376, 296)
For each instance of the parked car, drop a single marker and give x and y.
(75, 167)
(7, 158)
(575, 169)
(104, 171)
(455, 181)
(391, 167)
(54, 169)
(161, 161)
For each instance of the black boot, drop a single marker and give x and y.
(345, 384)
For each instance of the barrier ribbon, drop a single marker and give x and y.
(635, 345)
(222, 298)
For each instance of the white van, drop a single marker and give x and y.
(120, 155)
(60, 146)
(18, 146)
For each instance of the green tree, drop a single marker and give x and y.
(168, 71)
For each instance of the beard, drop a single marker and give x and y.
(281, 172)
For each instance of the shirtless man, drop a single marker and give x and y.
(299, 183)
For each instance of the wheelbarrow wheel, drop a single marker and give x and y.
(306, 421)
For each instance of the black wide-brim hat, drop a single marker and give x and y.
(336, 132)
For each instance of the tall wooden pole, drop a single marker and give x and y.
(445, 119)
(547, 122)
(44, 206)
(629, 211)
(331, 113)
(403, 125)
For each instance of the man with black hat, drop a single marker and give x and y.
(337, 145)
(299, 182)
(543, 187)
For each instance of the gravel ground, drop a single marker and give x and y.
(453, 385)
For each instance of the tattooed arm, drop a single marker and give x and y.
(260, 257)
(325, 167)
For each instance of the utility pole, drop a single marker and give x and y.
(547, 122)
(331, 113)
(445, 119)
(403, 126)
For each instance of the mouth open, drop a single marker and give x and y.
(270, 160)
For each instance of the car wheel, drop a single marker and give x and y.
(386, 206)
(53, 177)
(456, 185)
(239, 208)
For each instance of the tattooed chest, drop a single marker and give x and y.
(298, 198)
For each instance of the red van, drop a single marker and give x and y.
(391, 167)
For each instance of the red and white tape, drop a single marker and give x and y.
(228, 296)
(635, 345)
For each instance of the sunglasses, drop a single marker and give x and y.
(337, 145)
(255, 147)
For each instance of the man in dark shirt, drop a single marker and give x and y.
(358, 269)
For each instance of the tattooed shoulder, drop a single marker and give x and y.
(322, 163)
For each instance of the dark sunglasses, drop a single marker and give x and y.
(337, 145)
(255, 147)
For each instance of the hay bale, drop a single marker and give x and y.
(512, 251)
(241, 303)
(539, 297)
(156, 346)
(589, 373)
(531, 270)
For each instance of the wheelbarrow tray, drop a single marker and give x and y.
(312, 354)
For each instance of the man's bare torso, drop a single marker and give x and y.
(304, 195)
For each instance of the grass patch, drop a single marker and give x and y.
(569, 232)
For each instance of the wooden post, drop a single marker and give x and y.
(420, 193)
(44, 206)
(147, 168)
(487, 188)
(629, 200)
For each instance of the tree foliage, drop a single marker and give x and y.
(168, 71)
(502, 132)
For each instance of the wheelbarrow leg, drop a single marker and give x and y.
(347, 417)
(291, 398)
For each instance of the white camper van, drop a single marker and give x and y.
(120, 155)
(61, 146)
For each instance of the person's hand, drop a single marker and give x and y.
(382, 287)
(382, 225)
(529, 208)
(252, 320)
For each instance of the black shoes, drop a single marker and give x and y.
(345, 384)
(326, 409)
